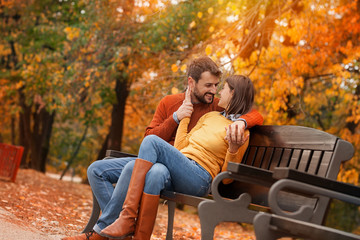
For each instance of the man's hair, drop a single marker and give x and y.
(243, 98)
(200, 65)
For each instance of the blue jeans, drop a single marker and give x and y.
(171, 171)
(187, 176)
(102, 174)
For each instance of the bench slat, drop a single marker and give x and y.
(297, 153)
(305, 160)
(267, 158)
(285, 158)
(315, 160)
(324, 164)
(275, 161)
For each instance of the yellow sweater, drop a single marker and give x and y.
(205, 143)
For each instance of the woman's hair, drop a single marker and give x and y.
(243, 98)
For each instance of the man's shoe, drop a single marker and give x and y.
(92, 235)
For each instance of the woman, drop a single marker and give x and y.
(194, 160)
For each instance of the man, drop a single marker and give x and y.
(204, 75)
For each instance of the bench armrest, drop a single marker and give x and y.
(118, 154)
(239, 172)
(243, 174)
(306, 184)
(333, 185)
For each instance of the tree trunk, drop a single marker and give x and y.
(114, 137)
(35, 133)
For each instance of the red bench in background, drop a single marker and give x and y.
(10, 158)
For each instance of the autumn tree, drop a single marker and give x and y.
(134, 39)
(33, 65)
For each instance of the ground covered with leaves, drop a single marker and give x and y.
(57, 207)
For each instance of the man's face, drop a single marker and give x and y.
(205, 88)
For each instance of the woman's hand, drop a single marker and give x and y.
(186, 109)
(235, 137)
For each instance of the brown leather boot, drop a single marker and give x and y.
(147, 216)
(124, 226)
(92, 235)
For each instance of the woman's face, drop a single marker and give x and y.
(225, 96)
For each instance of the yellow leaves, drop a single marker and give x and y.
(174, 90)
(276, 105)
(19, 84)
(174, 68)
(308, 99)
(210, 10)
(183, 68)
(239, 63)
(294, 34)
(163, 38)
(208, 49)
(200, 15)
(72, 33)
(180, 48)
(4, 50)
(293, 90)
(220, 1)
(37, 58)
(349, 176)
(211, 29)
(192, 24)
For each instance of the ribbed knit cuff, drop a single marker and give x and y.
(178, 122)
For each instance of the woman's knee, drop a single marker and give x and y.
(156, 179)
(94, 168)
(151, 140)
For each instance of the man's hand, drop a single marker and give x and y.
(186, 109)
(235, 136)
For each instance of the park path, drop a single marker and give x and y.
(39, 207)
(11, 228)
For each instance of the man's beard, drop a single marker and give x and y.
(201, 98)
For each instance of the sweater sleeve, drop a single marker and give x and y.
(182, 136)
(253, 118)
(234, 157)
(162, 125)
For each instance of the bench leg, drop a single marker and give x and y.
(208, 221)
(94, 216)
(262, 227)
(213, 212)
(171, 214)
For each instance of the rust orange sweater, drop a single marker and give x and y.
(164, 126)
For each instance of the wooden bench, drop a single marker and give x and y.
(10, 159)
(305, 149)
(282, 224)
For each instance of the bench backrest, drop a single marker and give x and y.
(302, 148)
